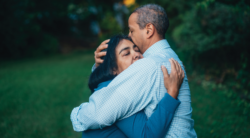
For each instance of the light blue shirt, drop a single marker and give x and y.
(141, 86)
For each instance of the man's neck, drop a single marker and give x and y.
(150, 42)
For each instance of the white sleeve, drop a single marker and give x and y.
(128, 93)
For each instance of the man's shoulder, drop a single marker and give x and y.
(164, 56)
(159, 58)
(143, 65)
(145, 62)
(151, 62)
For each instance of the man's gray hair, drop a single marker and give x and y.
(154, 14)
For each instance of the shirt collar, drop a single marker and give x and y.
(156, 48)
(102, 84)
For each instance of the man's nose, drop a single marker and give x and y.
(129, 34)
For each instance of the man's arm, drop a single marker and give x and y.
(123, 97)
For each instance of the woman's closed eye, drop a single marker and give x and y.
(136, 48)
(126, 53)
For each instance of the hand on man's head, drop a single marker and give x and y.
(98, 53)
(173, 81)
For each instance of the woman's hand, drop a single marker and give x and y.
(173, 80)
(99, 53)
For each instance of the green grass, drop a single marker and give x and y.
(37, 97)
(218, 114)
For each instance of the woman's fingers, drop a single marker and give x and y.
(183, 74)
(179, 69)
(165, 71)
(173, 67)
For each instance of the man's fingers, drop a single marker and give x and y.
(101, 47)
(105, 42)
(99, 61)
(101, 54)
(165, 71)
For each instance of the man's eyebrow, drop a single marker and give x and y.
(124, 49)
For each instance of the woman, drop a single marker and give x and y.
(121, 53)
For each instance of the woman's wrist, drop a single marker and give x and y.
(173, 93)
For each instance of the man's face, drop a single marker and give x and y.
(136, 34)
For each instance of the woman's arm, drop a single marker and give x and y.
(107, 132)
(138, 126)
(156, 126)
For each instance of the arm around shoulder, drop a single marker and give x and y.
(127, 94)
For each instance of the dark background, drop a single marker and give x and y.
(46, 53)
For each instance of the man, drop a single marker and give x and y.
(141, 86)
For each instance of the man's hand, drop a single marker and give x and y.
(173, 80)
(99, 54)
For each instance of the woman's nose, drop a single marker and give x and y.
(136, 56)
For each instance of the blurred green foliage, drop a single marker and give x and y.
(213, 38)
(33, 28)
(28, 27)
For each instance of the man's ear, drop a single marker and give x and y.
(150, 30)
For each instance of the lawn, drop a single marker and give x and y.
(37, 96)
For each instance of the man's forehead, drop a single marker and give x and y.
(133, 16)
(132, 20)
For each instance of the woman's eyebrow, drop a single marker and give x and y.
(124, 49)
(135, 46)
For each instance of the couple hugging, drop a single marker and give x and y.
(133, 95)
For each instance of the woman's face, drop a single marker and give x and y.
(126, 54)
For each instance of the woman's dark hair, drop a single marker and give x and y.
(105, 71)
